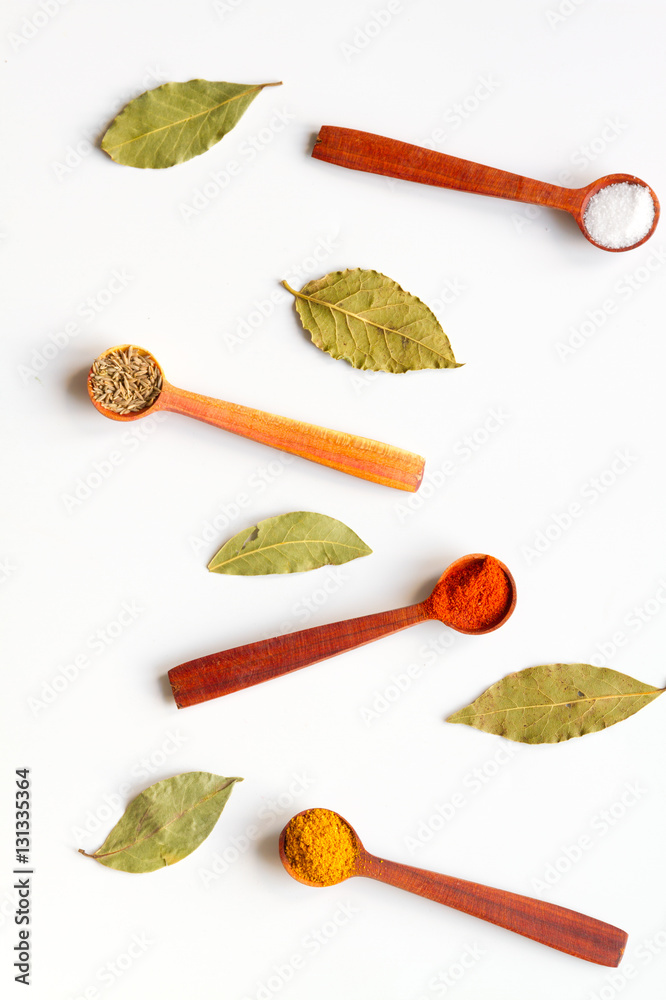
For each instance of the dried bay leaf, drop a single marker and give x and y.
(367, 319)
(177, 121)
(165, 822)
(288, 543)
(555, 702)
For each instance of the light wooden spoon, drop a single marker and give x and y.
(357, 456)
(376, 154)
(568, 931)
(235, 669)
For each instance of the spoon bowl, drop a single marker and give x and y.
(358, 866)
(440, 587)
(232, 670)
(377, 154)
(161, 403)
(552, 925)
(587, 193)
(357, 456)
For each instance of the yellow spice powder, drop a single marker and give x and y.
(320, 847)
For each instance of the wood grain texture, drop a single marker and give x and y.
(555, 926)
(235, 669)
(357, 456)
(380, 155)
(549, 924)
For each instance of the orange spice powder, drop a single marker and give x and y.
(474, 596)
(320, 847)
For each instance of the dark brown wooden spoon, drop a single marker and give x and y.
(234, 669)
(567, 930)
(377, 154)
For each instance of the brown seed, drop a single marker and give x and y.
(125, 381)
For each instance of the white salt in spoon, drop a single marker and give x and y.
(616, 212)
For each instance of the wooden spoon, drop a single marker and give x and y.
(235, 669)
(376, 154)
(357, 456)
(555, 926)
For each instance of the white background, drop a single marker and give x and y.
(542, 93)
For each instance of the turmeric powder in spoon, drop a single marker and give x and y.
(320, 846)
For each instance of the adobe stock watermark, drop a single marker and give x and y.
(131, 440)
(77, 152)
(271, 810)
(635, 961)
(523, 216)
(595, 147)
(624, 289)
(330, 582)
(219, 180)
(601, 824)
(402, 681)
(113, 971)
(473, 782)
(225, 7)
(7, 569)
(451, 290)
(255, 486)
(633, 622)
(443, 981)
(95, 645)
(146, 767)
(457, 114)
(463, 451)
(34, 23)
(369, 30)
(252, 321)
(581, 157)
(86, 311)
(555, 16)
(590, 493)
(309, 946)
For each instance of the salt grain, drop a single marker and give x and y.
(619, 215)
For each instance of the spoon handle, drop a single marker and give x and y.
(569, 931)
(234, 669)
(376, 154)
(357, 456)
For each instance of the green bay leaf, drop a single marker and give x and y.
(165, 822)
(555, 702)
(367, 319)
(288, 543)
(177, 121)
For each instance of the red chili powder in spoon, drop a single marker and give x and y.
(474, 596)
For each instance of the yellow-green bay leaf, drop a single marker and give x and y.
(177, 121)
(165, 822)
(555, 702)
(367, 319)
(288, 543)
